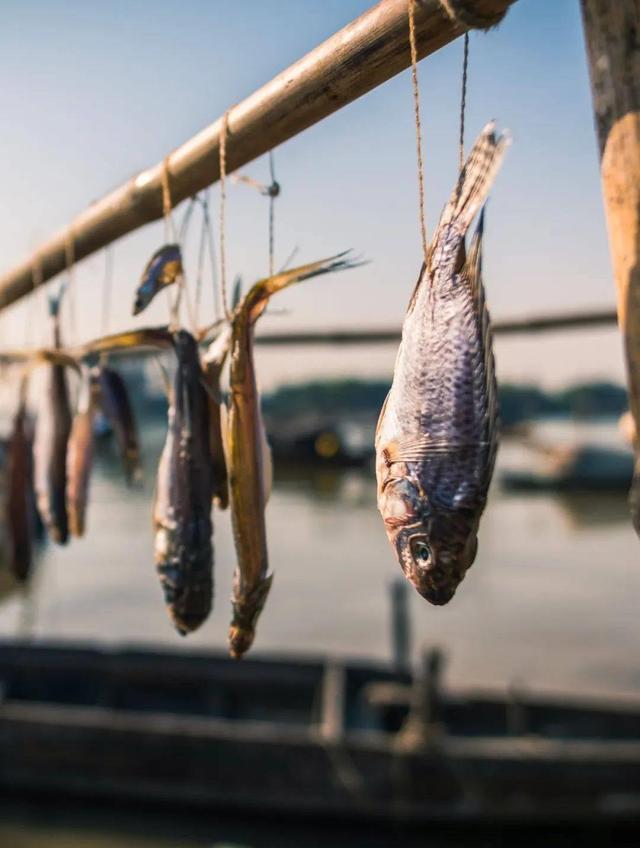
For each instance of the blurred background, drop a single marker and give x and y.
(97, 92)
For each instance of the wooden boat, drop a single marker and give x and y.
(305, 736)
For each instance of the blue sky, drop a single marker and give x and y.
(92, 93)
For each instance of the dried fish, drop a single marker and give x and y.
(20, 516)
(53, 426)
(116, 406)
(182, 510)
(162, 270)
(80, 452)
(437, 434)
(248, 458)
(212, 365)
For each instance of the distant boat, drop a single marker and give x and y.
(575, 468)
(292, 736)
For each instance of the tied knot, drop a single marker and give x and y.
(463, 13)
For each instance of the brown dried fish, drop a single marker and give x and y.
(248, 459)
(80, 453)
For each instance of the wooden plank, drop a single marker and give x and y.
(612, 32)
(358, 58)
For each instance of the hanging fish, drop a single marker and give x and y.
(163, 269)
(20, 516)
(182, 509)
(116, 406)
(80, 452)
(436, 438)
(248, 456)
(53, 426)
(212, 365)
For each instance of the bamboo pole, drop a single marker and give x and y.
(391, 335)
(612, 32)
(366, 53)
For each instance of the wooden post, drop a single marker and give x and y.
(612, 32)
(361, 56)
(400, 624)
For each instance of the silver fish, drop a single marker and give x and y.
(436, 438)
(182, 509)
(53, 426)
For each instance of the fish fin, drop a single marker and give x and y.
(421, 448)
(55, 300)
(219, 348)
(474, 276)
(256, 299)
(381, 417)
(162, 270)
(476, 178)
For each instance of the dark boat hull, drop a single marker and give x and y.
(200, 730)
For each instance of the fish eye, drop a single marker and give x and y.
(421, 552)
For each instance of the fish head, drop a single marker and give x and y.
(246, 610)
(435, 547)
(434, 561)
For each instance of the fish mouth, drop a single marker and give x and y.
(429, 573)
(438, 595)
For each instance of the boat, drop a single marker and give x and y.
(579, 468)
(304, 736)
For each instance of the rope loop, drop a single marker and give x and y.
(462, 13)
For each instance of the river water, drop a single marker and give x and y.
(551, 603)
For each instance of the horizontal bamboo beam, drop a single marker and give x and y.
(366, 53)
(391, 335)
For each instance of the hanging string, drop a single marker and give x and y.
(273, 191)
(416, 109)
(37, 278)
(463, 97)
(70, 259)
(223, 197)
(107, 285)
(171, 235)
(218, 308)
(201, 248)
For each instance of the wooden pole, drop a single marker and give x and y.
(391, 335)
(612, 32)
(366, 53)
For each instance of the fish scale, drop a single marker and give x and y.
(437, 434)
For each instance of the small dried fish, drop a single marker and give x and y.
(437, 434)
(163, 269)
(53, 426)
(20, 517)
(182, 509)
(116, 406)
(248, 458)
(80, 452)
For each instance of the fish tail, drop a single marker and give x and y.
(256, 300)
(476, 178)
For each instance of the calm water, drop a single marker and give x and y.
(550, 604)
